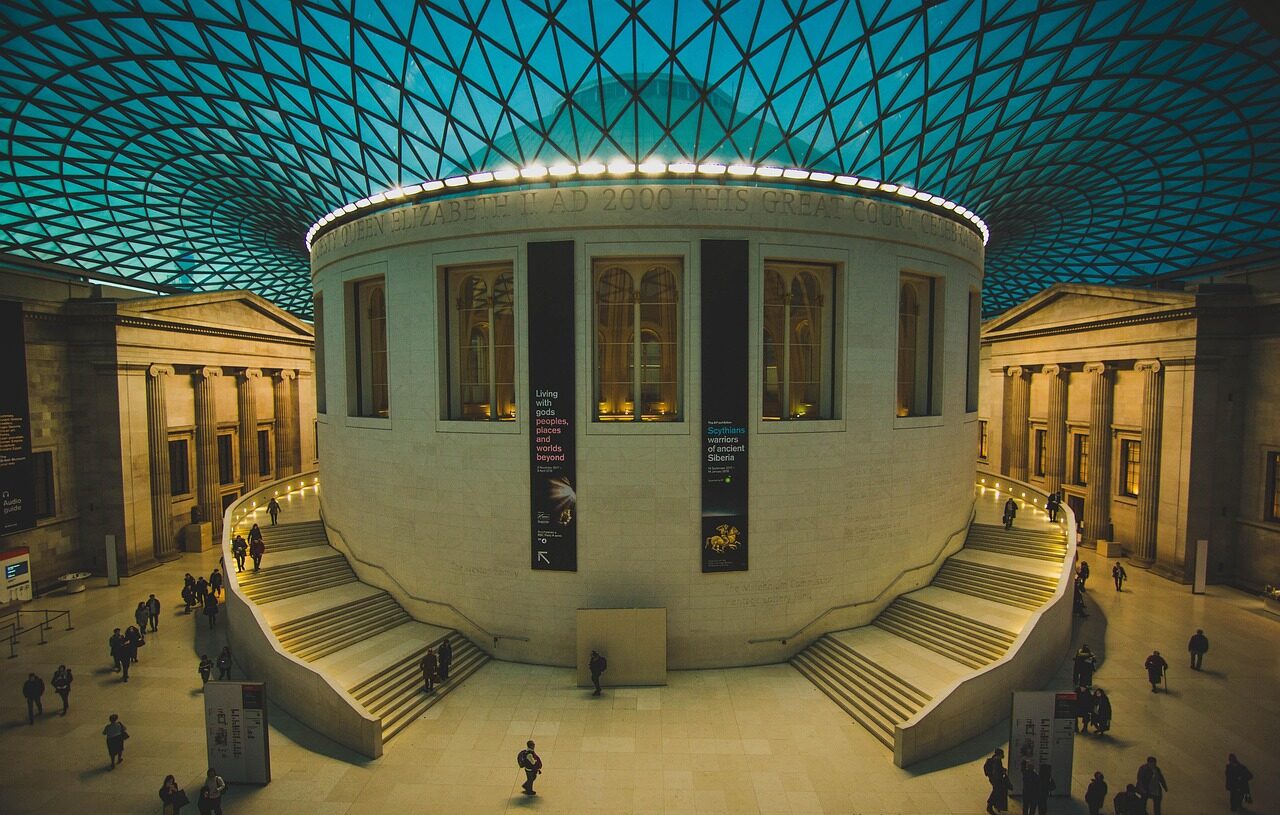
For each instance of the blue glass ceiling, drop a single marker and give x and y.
(193, 144)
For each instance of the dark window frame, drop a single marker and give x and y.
(44, 483)
(180, 476)
(227, 474)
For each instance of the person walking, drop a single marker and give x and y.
(446, 659)
(1238, 778)
(1047, 786)
(153, 613)
(61, 682)
(998, 778)
(211, 793)
(1083, 664)
(202, 590)
(1151, 785)
(1156, 668)
(531, 763)
(133, 640)
(430, 666)
(1198, 646)
(116, 644)
(172, 796)
(211, 609)
(1051, 505)
(598, 665)
(141, 616)
(256, 547)
(224, 663)
(1095, 797)
(273, 509)
(1128, 802)
(1101, 713)
(1082, 573)
(1030, 789)
(1119, 575)
(205, 668)
(1010, 512)
(238, 550)
(215, 582)
(116, 734)
(1084, 707)
(32, 690)
(188, 595)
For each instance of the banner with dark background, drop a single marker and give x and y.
(17, 473)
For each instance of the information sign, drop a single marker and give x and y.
(1042, 730)
(17, 471)
(235, 718)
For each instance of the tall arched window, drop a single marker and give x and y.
(799, 338)
(481, 336)
(372, 374)
(916, 332)
(637, 354)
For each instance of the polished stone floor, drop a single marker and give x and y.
(752, 740)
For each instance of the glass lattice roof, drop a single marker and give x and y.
(193, 143)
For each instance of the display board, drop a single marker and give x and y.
(1042, 729)
(553, 477)
(17, 470)
(725, 317)
(235, 720)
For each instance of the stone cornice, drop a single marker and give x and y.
(132, 321)
(1145, 318)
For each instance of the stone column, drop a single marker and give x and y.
(284, 397)
(158, 459)
(247, 405)
(1017, 406)
(207, 485)
(1055, 466)
(1144, 543)
(1097, 511)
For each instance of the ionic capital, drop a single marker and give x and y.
(286, 373)
(251, 373)
(1053, 370)
(157, 371)
(1152, 365)
(1096, 368)
(1015, 371)
(207, 373)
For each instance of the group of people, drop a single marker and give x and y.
(254, 548)
(205, 667)
(435, 667)
(1037, 785)
(123, 647)
(1093, 706)
(33, 691)
(196, 591)
(175, 797)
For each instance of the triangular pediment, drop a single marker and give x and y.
(238, 310)
(1081, 305)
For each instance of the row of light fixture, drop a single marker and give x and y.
(651, 167)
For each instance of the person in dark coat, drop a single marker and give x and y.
(188, 595)
(1083, 664)
(205, 668)
(1119, 575)
(597, 665)
(1151, 785)
(61, 682)
(531, 763)
(256, 547)
(1156, 667)
(32, 690)
(1077, 599)
(1010, 512)
(1047, 786)
(238, 550)
(1095, 797)
(1238, 778)
(1082, 573)
(1051, 506)
(430, 665)
(118, 645)
(1030, 789)
(1128, 802)
(211, 609)
(172, 796)
(1084, 708)
(116, 734)
(446, 659)
(1198, 646)
(273, 509)
(998, 778)
(202, 590)
(1101, 713)
(141, 616)
(215, 583)
(153, 613)
(224, 663)
(133, 641)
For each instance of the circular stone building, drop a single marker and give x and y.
(743, 395)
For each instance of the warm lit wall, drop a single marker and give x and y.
(838, 508)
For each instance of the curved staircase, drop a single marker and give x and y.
(926, 641)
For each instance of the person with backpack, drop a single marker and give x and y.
(998, 777)
(598, 665)
(1010, 512)
(62, 679)
(529, 761)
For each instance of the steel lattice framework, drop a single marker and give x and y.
(193, 143)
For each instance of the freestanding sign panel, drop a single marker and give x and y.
(725, 317)
(1042, 730)
(553, 477)
(17, 473)
(235, 720)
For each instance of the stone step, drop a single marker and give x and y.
(395, 724)
(1000, 585)
(334, 629)
(963, 639)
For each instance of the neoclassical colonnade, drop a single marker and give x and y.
(208, 486)
(1016, 435)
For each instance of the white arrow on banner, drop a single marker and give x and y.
(542, 555)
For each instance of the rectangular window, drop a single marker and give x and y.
(480, 328)
(1038, 441)
(917, 296)
(264, 452)
(318, 325)
(372, 382)
(975, 330)
(984, 440)
(45, 495)
(1080, 455)
(179, 468)
(1273, 487)
(226, 459)
(637, 339)
(799, 341)
(1131, 466)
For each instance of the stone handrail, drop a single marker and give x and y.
(305, 693)
(972, 704)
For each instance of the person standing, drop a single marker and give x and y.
(430, 665)
(188, 595)
(202, 590)
(1238, 778)
(1083, 664)
(1127, 801)
(172, 796)
(1119, 575)
(1198, 646)
(62, 679)
(1030, 789)
(1010, 512)
(531, 763)
(256, 547)
(1047, 786)
(116, 643)
(224, 663)
(116, 734)
(446, 659)
(993, 769)
(1156, 667)
(215, 582)
(598, 665)
(1095, 797)
(141, 616)
(1101, 713)
(205, 668)
(273, 509)
(1151, 785)
(239, 549)
(32, 690)
(211, 793)
(1084, 707)
(211, 609)
(133, 640)
(1082, 573)
(153, 613)
(1051, 505)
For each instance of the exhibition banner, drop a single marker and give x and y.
(725, 317)
(553, 478)
(17, 470)
(235, 720)
(1042, 729)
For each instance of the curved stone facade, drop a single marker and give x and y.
(838, 506)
